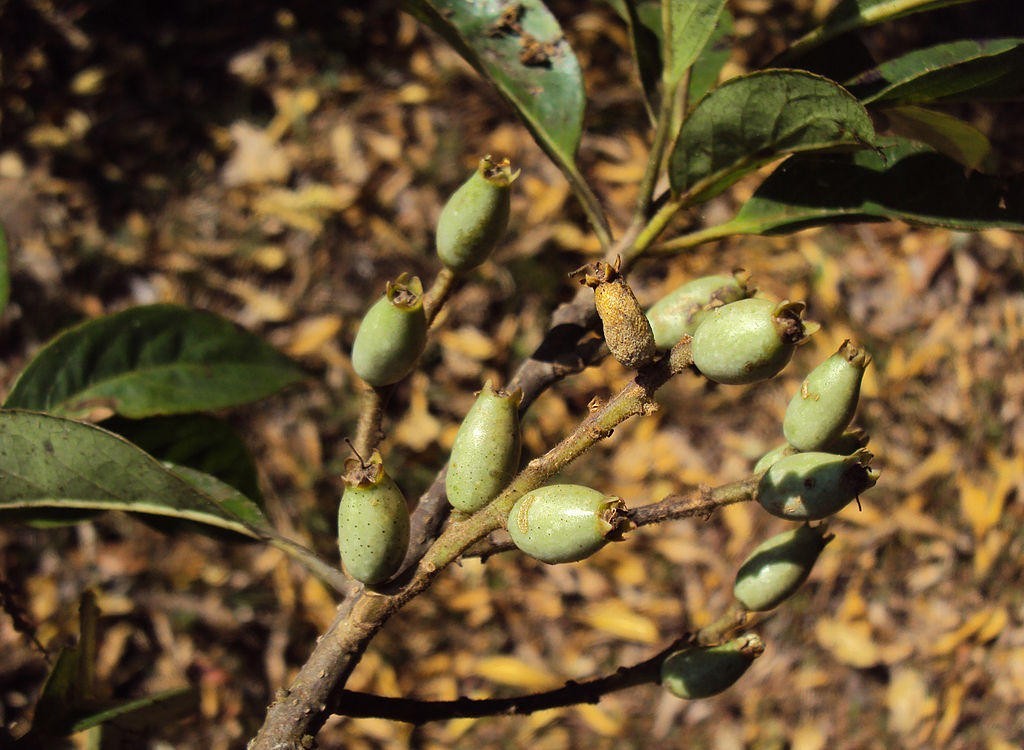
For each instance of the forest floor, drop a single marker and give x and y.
(278, 172)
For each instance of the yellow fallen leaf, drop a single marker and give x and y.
(849, 642)
(984, 624)
(908, 701)
(615, 618)
(312, 333)
(513, 671)
(951, 709)
(599, 720)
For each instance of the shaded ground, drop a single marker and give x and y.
(278, 172)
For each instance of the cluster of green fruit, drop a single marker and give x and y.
(733, 337)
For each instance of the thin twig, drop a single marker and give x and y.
(438, 293)
(356, 704)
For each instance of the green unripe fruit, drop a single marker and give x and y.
(679, 312)
(565, 522)
(847, 443)
(475, 217)
(827, 399)
(373, 522)
(748, 340)
(812, 486)
(485, 455)
(626, 329)
(778, 567)
(702, 672)
(392, 335)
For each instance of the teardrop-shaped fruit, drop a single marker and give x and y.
(373, 522)
(485, 455)
(812, 486)
(850, 441)
(777, 567)
(679, 312)
(392, 335)
(748, 340)
(827, 399)
(476, 216)
(700, 672)
(626, 329)
(565, 522)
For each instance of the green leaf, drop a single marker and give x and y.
(904, 181)
(139, 714)
(688, 26)
(5, 270)
(49, 462)
(643, 20)
(955, 71)
(754, 119)
(714, 56)
(197, 441)
(643, 23)
(495, 37)
(850, 15)
(160, 359)
(946, 134)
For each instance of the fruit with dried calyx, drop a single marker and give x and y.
(679, 312)
(778, 566)
(626, 329)
(812, 486)
(827, 399)
(749, 340)
(700, 672)
(373, 522)
(392, 334)
(476, 216)
(485, 455)
(565, 522)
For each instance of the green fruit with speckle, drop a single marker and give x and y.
(749, 340)
(827, 399)
(778, 567)
(700, 672)
(475, 217)
(485, 455)
(812, 486)
(679, 312)
(373, 522)
(392, 335)
(565, 522)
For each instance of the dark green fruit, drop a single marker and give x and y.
(565, 522)
(748, 340)
(847, 443)
(485, 455)
(626, 329)
(679, 312)
(373, 522)
(778, 567)
(827, 399)
(812, 486)
(700, 672)
(475, 217)
(392, 335)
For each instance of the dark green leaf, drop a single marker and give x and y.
(520, 48)
(754, 119)
(956, 71)
(904, 181)
(690, 24)
(50, 462)
(946, 134)
(140, 714)
(714, 56)
(160, 359)
(5, 270)
(850, 15)
(197, 441)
